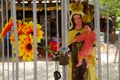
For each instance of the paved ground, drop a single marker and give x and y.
(41, 68)
(29, 71)
(113, 67)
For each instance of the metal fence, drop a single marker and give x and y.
(11, 68)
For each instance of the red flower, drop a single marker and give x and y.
(54, 46)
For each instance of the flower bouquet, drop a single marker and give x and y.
(25, 38)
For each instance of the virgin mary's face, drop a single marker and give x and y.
(77, 19)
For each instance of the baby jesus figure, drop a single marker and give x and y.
(89, 38)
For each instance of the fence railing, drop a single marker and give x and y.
(13, 67)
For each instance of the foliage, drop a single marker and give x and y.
(111, 8)
(118, 24)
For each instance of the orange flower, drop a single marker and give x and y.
(6, 28)
(28, 29)
(19, 27)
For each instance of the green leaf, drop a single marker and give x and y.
(48, 49)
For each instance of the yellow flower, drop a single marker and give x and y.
(39, 33)
(28, 57)
(25, 47)
(12, 37)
